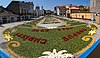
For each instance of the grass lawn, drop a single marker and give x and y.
(54, 41)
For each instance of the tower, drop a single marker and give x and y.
(37, 9)
(42, 11)
(41, 7)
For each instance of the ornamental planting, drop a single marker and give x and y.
(30, 38)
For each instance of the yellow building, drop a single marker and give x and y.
(78, 12)
(97, 18)
(81, 15)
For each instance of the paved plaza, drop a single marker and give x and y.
(10, 25)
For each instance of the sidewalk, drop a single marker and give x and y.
(3, 41)
(97, 35)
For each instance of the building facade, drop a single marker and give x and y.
(95, 10)
(84, 16)
(7, 16)
(48, 12)
(60, 10)
(67, 10)
(23, 9)
(79, 12)
(95, 6)
(39, 11)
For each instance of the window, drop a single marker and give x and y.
(27, 11)
(94, 3)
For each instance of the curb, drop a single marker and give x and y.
(87, 52)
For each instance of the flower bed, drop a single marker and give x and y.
(60, 29)
(33, 42)
(74, 34)
(31, 47)
(42, 30)
(35, 39)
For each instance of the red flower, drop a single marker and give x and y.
(46, 30)
(63, 28)
(75, 34)
(37, 40)
(81, 31)
(42, 30)
(84, 29)
(26, 37)
(43, 41)
(67, 28)
(23, 36)
(19, 35)
(37, 30)
(31, 38)
(59, 29)
(78, 32)
(66, 39)
(70, 36)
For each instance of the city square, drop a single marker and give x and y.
(68, 31)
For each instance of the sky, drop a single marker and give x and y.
(50, 4)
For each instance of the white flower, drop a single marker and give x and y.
(54, 54)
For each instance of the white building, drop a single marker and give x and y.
(39, 12)
(60, 10)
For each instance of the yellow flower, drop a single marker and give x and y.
(8, 37)
(92, 32)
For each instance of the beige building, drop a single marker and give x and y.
(97, 18)
(86, 16)
(78, 12)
